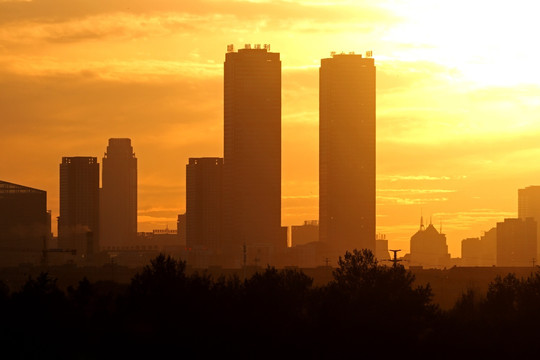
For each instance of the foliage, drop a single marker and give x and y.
(367, 309)
(368, 303)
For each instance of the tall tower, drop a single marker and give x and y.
(529, 206)
(118, 209)
(252, 152)
(204, 207)
(78, 224)
(347, 152)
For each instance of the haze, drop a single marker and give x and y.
(457, 98)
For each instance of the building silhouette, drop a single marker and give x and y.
(252, 153)
(381, 248)
(516, 242)
(25, 228)
(347, 152)
(118, 195)
(306, 233)
(428, 248)
(529, 206)
(204, 210)
(78, 223)
(181, 228)
(480, 251)
(471, 252)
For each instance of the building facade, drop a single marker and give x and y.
(429, 248)
(529, 206)
(25, 228)
(306, 233)
(516, 242)
(480, 251)
(252, 152)
(78, 223)
(204, 209)
(118, 195)
(347, 152)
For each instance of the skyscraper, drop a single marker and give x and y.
(78, 224)
(529, 206)
(252, 151)
(118, 198)
(347, 152)
(204, 206)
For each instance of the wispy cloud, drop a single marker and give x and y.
(416, 191)
(411, 177)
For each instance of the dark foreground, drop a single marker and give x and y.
(366, 311)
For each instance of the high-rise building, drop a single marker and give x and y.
(516, 242)
(529, 206)
(78, 223)
(204, 204)
(347, 152)
(252, 152)
(24, 224)
(118, 196)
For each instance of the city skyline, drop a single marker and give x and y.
(456, 124)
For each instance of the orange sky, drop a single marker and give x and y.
(458, 100)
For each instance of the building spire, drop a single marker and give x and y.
(421, 221)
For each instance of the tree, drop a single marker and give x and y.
(368, 303)
(164, 277)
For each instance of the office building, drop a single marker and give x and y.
(252, 152)
(347, 152)
(78, 223)
(480, 251)
(381, 248)
(118, 196)
(429, 248)
(24, 224)
(305, 234)
(529, 206)
(204, 204)
(516, 242)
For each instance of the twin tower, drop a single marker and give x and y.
(233, 205)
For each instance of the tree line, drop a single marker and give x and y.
(367, 310)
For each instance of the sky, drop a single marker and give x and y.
(458, 98)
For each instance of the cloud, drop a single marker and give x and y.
(300, 197)
(465, 220)
(416, 191)
(396, 75)
(411, 177)
(408, 201)
(168, 119)
(63, 10)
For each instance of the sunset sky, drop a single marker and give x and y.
(458, 98)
